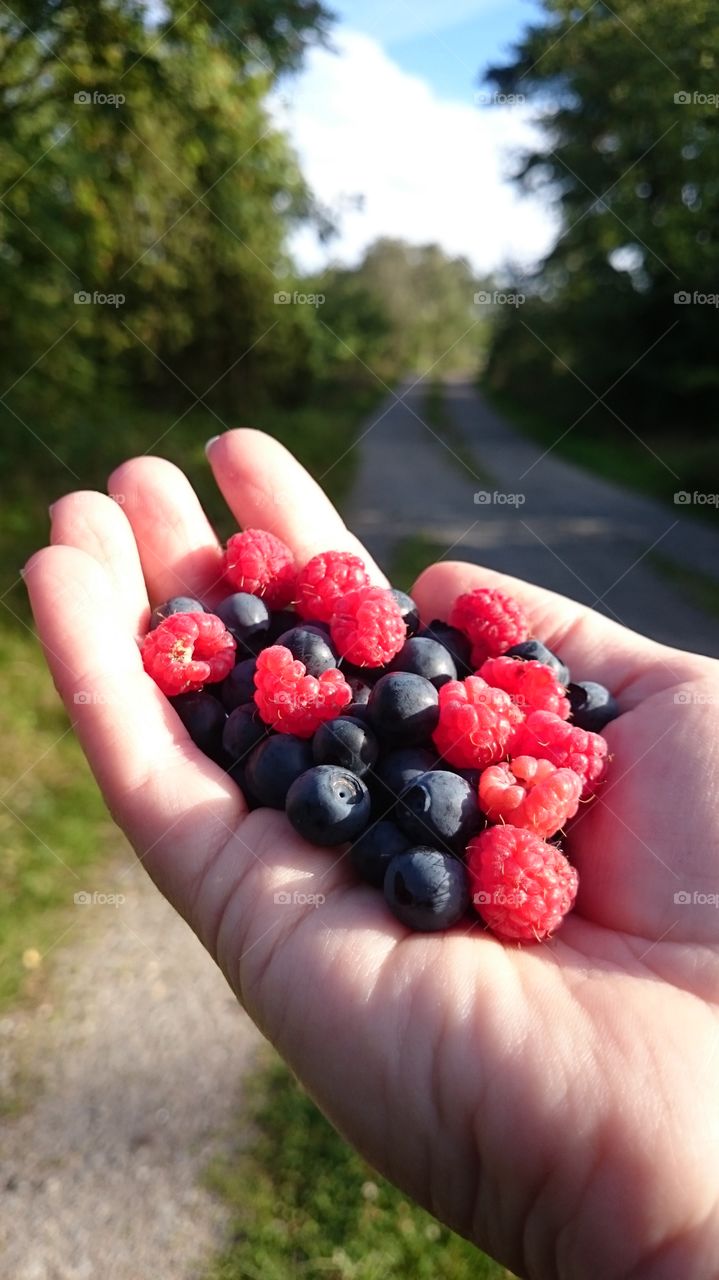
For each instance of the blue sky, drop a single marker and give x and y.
(446, 42)
(391, 115)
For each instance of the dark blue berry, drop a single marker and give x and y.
(373, 851)
(396, 769)
(361, 688)
(309, 646)
(426, 889)
(426, 657)
(403, 709)
(247, 618)
(592, 705)
(178, 604)
(534, 651)
(204, 718)
(346, 742)
(357, 711)
(408, 609)
(441, 809)
(243, 730)
(281, 620)
(239, 686)
(453, 640)
(273, 765)
(328, 805)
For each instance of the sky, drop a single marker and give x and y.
(392, 114)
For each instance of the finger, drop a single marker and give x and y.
(592, 646)
(178, 549)
(95, 524)
(176, 807)
(266, 488)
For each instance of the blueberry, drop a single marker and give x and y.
(454, 640)
(426, 657)
(178, 604)
(408, 609)
(403, 709)
(426, 889)
(361, 688)
(395, 769)
(273, 766)
(309, 646)
(372, 852)
(280, 621)
(534, 651)
(239, 686)
(592, 705)
(247, 618)
(328, 805)
(204, 718)
(346, 742)
(357, 711)
(441, 809)
(243, 730)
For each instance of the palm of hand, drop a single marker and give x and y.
(555, 1103)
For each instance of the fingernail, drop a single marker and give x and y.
(210, 443)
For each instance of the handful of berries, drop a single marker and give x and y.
(450, 756)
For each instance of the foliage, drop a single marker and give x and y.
(631, 167)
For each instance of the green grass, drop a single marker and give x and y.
(305, 1205)
(436, 415)
(604, 448)
(53, 825)
(410, 557)
(697, 588)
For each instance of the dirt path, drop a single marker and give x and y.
(133, 1066)
(535, 516)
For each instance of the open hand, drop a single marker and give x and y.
(555, 1103)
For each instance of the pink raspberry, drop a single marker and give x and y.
(530, 793)
(476, 723)
(492, 620)
(186, 651)
(367, 627)
(532, 685)
(520, 886)
(324, 579)
(567, 746)
(290, 700)
(259, 563)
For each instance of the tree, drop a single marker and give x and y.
(627, 100)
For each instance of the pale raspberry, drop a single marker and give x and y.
(530, 793)
(324, 579)
(188, 650)
(259, 563)
(290, 700)
(477, 724)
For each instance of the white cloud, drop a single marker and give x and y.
(429, 169)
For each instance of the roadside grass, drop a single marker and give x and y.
(437, 415)
(53, 826)
(606, 450)
(410, 557)
(304, 1204)
(696, 587)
